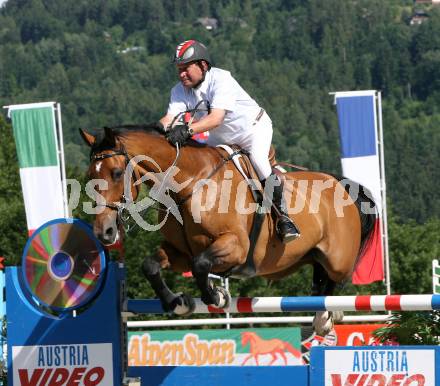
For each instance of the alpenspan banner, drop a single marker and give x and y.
(235, 347)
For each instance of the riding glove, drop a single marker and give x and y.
(179, 134)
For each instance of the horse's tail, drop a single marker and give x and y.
(369, 216)
(367, 208)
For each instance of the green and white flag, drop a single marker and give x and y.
(39, 158)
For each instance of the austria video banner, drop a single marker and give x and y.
(360, 163)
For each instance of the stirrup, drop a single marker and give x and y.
(291, 234)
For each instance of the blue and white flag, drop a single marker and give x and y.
(357, 115)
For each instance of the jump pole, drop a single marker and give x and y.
(427, 302)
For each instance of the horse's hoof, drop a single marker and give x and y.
(323, 323)
(338, 316)
(185, 305)
(224, 298)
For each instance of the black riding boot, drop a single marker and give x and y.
(286, 228)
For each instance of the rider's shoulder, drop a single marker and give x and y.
(218, 74)
(178, 89)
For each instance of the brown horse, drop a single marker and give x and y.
(260, 346)
(209, 233)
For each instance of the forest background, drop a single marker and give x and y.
(108, 62)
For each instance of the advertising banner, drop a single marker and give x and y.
(378, 366)
(237, 347)
(356, 334)
(80, 364)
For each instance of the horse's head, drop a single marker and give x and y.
(108, 165)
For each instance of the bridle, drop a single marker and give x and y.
(121, 206)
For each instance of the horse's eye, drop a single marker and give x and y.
(117, 174)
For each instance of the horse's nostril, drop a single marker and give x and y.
(109, 232)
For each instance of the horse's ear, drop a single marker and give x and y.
(110, 136)
(88, 138)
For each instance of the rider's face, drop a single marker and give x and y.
(190, 74)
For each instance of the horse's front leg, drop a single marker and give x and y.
(227, 251)
(180, 304)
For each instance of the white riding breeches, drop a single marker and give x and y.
(256, 140)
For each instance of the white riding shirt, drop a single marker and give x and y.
(243, 123)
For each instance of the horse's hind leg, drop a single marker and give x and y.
(324, 321)
(180, 304)
(322, 284)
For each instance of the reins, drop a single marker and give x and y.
(222, 163)
(121, 206)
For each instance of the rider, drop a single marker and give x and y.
(233, 118)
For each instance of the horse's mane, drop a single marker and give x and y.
(122, 131)
(127, 129)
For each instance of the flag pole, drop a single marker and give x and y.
(59, 127)
(384, 195)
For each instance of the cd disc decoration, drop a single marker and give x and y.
(63, 264)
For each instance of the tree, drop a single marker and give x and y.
(412, 249)
(288, 54)
(13, 230)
